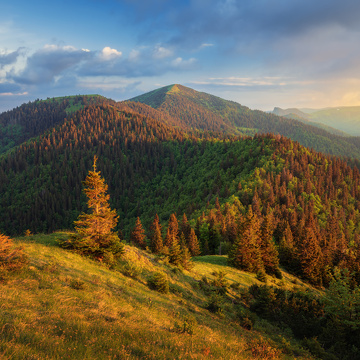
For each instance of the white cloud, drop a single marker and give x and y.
(108, 53)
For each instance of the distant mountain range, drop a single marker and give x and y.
(345, 119)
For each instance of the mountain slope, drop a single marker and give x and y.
(66, 306)
(193, 110)
(152, 168)
(32, 119)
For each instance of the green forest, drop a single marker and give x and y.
(189, 175)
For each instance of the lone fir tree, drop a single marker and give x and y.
(94, 231)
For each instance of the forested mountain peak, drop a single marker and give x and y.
(34, 118)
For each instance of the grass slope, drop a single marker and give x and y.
(64, 306)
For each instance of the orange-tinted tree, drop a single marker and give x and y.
(138, 235)
(94, 231)
(156, 240)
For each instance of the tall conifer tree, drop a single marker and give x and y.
(172, 233)
(138, 234)
(156, 240)
(94, 231)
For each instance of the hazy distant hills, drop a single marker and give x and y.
(346, 119)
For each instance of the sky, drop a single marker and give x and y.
(259, 53)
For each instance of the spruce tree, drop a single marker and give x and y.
(175, 256)
(193, 243)
(138, 235)
(156, 240)
(245, 253)
(94, 231)
(172, 233)
(269, 253)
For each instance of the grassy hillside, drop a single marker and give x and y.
(65, 306)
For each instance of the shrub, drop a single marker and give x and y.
(187, 326)
(131, 269)
(215, 304)
(27, 233)
(159, 282)
(77, 284)
(246, 317)
(11, 258)
(261, 276)
(261, 349)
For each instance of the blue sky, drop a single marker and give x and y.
(260, 53)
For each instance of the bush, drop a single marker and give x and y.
(77, 284)
(218, 285)
(187, 326)
(261, 349)
(131, 269)
(247, 318)
(261, 276)
(159, 282)
(11, 258)
(215, 304)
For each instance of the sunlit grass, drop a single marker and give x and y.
(65, 306)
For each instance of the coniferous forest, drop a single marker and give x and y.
(189, 174)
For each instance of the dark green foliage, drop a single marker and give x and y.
(215, 304)
(328, 325)
(159, 282)
(218, 285)
(33, 119)
(246, 317)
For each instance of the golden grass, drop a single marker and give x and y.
(65, 306)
